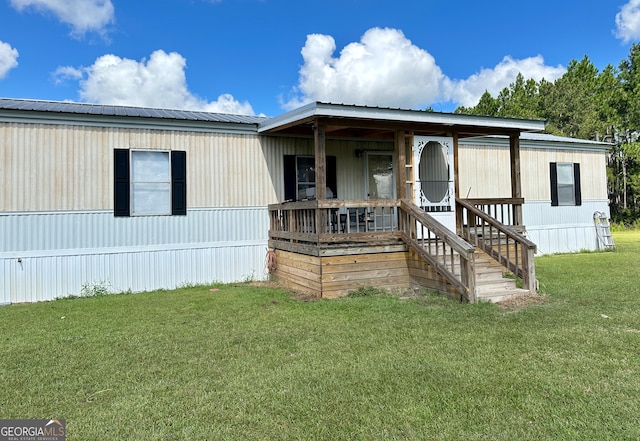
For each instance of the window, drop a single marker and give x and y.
(300, 177)
(565, 183)
(305, 177)
(149, 182)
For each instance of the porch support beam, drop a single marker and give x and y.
(456, 183)
(320, 148)
(401, 165)
(516, 184)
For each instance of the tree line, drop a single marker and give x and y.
(589, 104)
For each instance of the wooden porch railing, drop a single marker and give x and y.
(334, 221)
(495, 232)
(305, 226)
(507, 211)
(451, 256)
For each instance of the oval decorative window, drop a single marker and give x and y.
(434, 172)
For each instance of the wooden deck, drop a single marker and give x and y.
(329, 248)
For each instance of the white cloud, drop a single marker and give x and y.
(82, 15)
(8, 58)
(386, 69)
(468, 92)
(158, 82)
(63, 73)
(628, 21)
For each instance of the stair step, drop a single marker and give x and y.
(490, 277)
(495, 286)
(501, 295)
(491, 285)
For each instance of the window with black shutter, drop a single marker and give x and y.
(565, 184)
(150, 182)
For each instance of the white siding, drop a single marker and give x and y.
(50, 255)
(562, 229)
(485, 171)
(59, 167)
(56, 208)
(46, 277)
(86, 230)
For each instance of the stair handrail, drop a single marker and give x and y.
(409, 216)
(524, 269)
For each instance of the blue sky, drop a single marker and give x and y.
(269, 56)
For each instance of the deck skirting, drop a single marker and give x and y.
(331, 276)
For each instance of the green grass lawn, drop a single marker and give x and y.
(251, 363)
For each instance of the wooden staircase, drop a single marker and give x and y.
(491, 285)
(475, 262)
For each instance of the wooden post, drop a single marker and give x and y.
(529, 280)
(456, 184)
(401, 165)
(516, 184)
(468, 275)
(320, 149)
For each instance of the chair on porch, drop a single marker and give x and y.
(353, 220)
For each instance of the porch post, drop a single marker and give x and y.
(320, 149)
(516, 185)
(456, 184)
(321, 161)
(401, 165)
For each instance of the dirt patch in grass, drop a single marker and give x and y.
(522, 301)
(304, 296)
(298, 295)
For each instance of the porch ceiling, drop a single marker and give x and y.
(350, 121)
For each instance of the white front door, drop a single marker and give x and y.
(433, 174)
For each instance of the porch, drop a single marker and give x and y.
(329, 248)
(412, 228)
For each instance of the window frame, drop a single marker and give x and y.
(291, 183)
(123, 183)
(557, 198)
(134, 192)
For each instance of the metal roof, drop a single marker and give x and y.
(63, 107)
(419, 118)
(543, 139)
(486, 127)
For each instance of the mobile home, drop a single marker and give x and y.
(134, 199)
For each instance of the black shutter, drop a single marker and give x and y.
(179, 183)
(332, 175)
(576, 183)
(290, 181)
(553, 172)
(121, 191)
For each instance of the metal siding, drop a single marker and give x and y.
(485, 170)
(59, 252)
(535, 172)
(562, 229)
(50, 277)
(58, 167)
(30, 232)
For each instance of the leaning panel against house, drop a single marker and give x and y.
(117, 198)
(563, 184)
